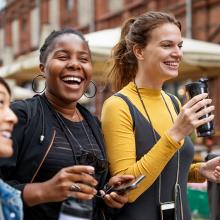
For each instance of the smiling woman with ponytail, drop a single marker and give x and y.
(145, 129)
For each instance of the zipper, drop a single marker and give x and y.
(51, 143)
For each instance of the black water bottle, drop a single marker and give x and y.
(75, 209)
(196, 88)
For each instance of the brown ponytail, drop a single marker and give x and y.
(134, 31)
(124, 61)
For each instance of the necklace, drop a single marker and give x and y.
(177, 188)
(101, 165)
(85, 131)
(87, 157)
(65, 128)
(72, 135)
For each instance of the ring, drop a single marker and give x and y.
(74, 188)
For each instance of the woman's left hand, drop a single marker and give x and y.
(211, 170)
(114, 200)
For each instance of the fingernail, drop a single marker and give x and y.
(113, 195)
(107, 197)
(91, 170)
(91, 196)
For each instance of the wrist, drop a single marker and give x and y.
(175, 135)
(42, 193)
(34, 194)
(201, 169)
(200, 174)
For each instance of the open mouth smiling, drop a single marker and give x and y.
(172, 64)
(73, 80)
(5, 134)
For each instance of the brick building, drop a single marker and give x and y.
(24, 25)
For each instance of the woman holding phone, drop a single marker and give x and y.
(59, 150)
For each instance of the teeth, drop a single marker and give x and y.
(172, 63)
(72, 78)
(6, 134)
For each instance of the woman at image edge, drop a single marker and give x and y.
(147, 55)
(10, 198)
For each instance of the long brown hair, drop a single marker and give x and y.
(134, 31)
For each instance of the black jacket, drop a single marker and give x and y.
(32, 138)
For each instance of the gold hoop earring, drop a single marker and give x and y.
(33, 84)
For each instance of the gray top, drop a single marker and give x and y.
(147, 206)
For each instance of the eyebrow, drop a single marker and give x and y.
(5, 98)
(170, 41)
(58, 51)
(66, 51)
(3, 93)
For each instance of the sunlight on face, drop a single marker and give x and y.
(68, 69)
(162, 54)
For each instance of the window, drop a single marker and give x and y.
(84, 12)
(54, 14)
(69, 5)
(24, 24)
(115, 5)
(15, 36)
(35, 27)
(1, 45)
(2, 4)
(2, 40)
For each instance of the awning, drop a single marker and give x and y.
(23, 69)
(195, 52)
(200, 58)
(21, 93)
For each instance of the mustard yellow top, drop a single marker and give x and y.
(117, 128)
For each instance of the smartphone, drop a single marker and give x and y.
(167, 210)
(127, 186)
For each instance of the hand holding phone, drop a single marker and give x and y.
(125, 187)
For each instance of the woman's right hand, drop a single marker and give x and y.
(59, 187)
(189, 116)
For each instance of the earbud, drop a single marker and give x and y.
(42, 138)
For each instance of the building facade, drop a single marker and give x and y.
(24, 24)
